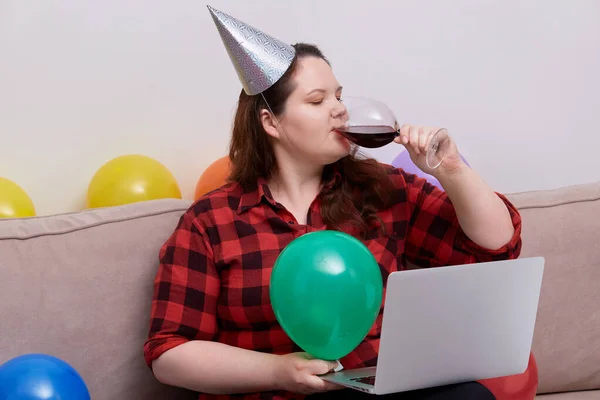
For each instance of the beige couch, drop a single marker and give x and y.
(78, 286)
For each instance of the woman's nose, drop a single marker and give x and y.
(339, 110)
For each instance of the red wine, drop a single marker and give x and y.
(370, 136)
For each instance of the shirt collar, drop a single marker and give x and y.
(253, 196)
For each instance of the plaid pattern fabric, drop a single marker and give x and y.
(213, 278)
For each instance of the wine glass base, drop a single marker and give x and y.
(438, 145)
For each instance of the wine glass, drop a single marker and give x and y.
(372, 124)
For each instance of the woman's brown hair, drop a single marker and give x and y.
(363, 187)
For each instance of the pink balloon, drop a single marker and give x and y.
(403, 161)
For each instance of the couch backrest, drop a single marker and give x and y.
(78, 286)
(563, 226)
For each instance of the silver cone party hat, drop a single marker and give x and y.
(259, 59)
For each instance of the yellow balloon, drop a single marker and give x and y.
(130, 179)
(14, 202)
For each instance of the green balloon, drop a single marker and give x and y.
(326, 292)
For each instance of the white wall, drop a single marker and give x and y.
(81, 82)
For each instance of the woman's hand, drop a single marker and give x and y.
(298, 373)
(416, 139)
(482, 215)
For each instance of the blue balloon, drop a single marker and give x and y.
(41, 376)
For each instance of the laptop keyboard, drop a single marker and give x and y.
(367, 380)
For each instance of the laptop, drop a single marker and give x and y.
(451, 325)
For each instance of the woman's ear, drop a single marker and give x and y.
(269, 123)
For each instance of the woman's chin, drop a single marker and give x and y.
(333, 150)
(344, 144)
(336, 155)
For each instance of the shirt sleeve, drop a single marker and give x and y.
(186, 290)
(434, 236)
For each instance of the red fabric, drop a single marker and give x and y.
(515, 387)
(213, 278)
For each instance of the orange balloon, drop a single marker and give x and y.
(213, 177)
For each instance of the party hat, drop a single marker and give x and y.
(259, 59)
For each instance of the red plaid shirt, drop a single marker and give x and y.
(213, 279)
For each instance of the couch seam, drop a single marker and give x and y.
(563, 203)
(92, 225)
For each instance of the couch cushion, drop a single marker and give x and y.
(585, 395)
(79, 286)
(563, 226)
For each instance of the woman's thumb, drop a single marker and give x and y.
(333, 365)
(320, 367)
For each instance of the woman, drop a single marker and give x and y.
(212, 328)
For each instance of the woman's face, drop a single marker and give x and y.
(312, 113)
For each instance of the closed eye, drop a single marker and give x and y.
(317, 102)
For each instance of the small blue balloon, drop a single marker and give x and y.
(41, 377)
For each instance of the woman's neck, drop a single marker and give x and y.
(296, 187)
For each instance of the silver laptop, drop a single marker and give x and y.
(451, 325)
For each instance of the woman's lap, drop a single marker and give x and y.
(461, 391)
